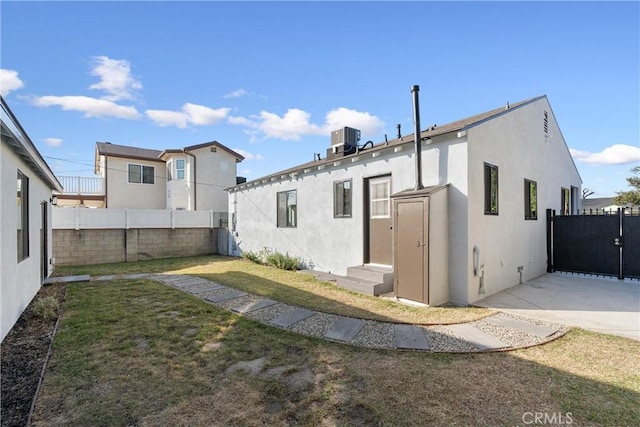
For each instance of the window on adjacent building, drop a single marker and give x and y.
(530, 199)
(342, 199)
(180, 169)
(23, 216)
(490, 189)
(565, 201)
(287, 202)
(141, 174)
(169, 174)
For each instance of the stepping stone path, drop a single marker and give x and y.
(498, 332)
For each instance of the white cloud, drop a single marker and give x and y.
(53, 142)
(341, 117)
(168, 118)
(292, 125)
(194, 114)
(91, 107)
(617, 154)
(237, 120)
(9, 81)
(115, 78)
(295, 123)
(247, 155)
(237, 94)
(200, 115)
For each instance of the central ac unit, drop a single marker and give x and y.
(345, 136)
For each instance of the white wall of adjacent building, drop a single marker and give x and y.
(124, 194)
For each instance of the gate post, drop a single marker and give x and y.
(550, 213)
(620, 244)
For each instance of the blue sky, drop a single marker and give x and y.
(272, 80)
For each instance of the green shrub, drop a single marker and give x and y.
(284, 262)
(46, 307)
(252, 256)
(267, 256)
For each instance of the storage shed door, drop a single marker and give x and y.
(412, 249)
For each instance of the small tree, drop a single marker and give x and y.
(631, 196)
(586, 193)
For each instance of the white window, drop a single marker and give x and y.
(379, 195)
(179, 168)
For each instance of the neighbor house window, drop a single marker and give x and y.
(23, 216)
(141, 174)
(342, 199)
(169, 174)
(180, 169)
(530, 199)
(287, 208)
(490, 189)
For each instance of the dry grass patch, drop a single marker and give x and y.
(119, 360)
(290, 287)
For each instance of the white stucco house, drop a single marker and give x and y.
(466, 221)
(26, 185)
(189, 178)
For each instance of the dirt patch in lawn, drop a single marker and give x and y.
(24, 351)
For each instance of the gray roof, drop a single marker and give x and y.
(115, 150)
(109, 149)
(432, 132)
(601, 203)
(17, 138)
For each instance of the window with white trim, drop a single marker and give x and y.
(139, 174)
(379, 196)
(179, 168)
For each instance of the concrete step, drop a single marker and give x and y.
(368, 287)
(374, 274)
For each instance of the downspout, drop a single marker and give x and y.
(417, 137)
(106, 181)
(195, 187)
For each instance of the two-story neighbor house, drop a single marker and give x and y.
(189, 178)
(465, 221)
(26, 186)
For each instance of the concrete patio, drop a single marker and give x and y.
(598, 304)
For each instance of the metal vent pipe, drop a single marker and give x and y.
(416, 136)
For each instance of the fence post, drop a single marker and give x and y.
(549, 241)
(621, 244)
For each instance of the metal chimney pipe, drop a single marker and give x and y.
(416, 136)
(399, 132)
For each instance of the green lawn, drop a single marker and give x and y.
(294, 288)
(136, 352)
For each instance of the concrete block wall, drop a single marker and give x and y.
(80, 247)
(100, 246)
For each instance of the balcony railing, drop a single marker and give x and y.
(81, 185)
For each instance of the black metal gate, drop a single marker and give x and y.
(604, 243)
